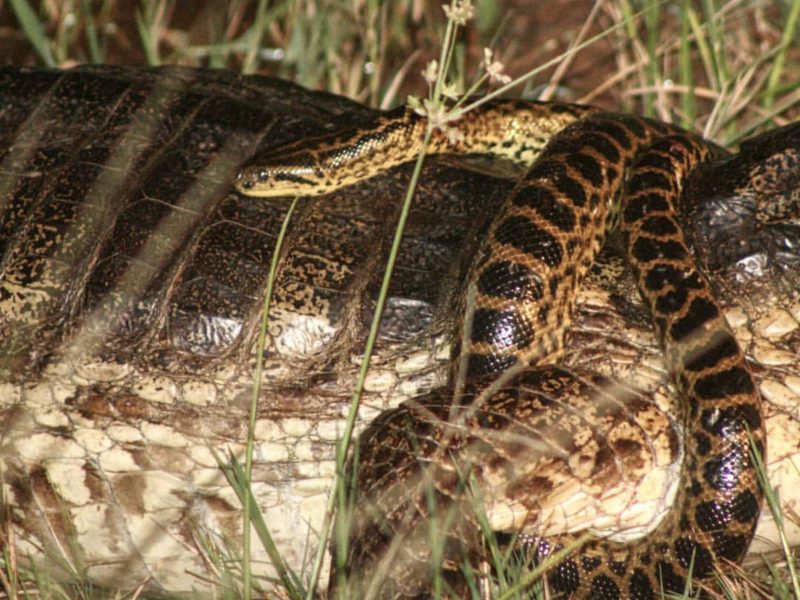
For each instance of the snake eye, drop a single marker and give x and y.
(263, 175)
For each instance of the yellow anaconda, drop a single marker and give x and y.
(519, 296)
(515, 131)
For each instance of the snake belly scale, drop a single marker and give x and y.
(516, 306)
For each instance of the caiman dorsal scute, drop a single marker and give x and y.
(131, 287)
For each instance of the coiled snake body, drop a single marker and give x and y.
(517, 303)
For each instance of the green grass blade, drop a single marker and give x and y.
(528, 578)
(344, 443)
(772, 499)
(235, 475)
(251, 425)
(715, 36)
(553, 61)
(255, 38)
(95, 51)
(149, 43)
(651, 20)
(788, 36)
(706, 54)
(33, 30)
(688, 106)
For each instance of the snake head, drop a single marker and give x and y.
(298, 176)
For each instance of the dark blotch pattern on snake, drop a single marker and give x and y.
(421, 466)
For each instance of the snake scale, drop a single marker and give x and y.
(517, 303)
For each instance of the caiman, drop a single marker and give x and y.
(131, 292)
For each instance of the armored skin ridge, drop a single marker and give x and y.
(131, 290)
